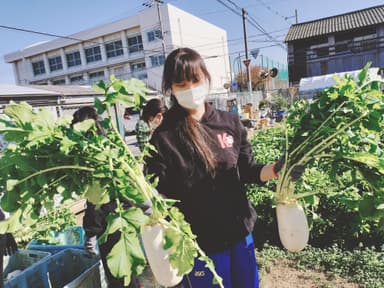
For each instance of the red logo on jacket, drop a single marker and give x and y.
(225, 140)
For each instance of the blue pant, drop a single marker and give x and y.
(237, 266)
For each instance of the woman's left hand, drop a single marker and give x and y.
(10, 245)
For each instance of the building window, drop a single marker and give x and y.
(323, 67)
(114, 49)
(73, 59)
(38, 67)
(96, 75)
(142, 76)
(55, 63)
(154, 35)
(137, 67)
(135, 44)
(157, 60)
(341, 47)
(76, 79)
(322, 52)
(118, 71)
(58, 82)
(93, 54)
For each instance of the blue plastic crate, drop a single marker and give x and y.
(72, 268)
(73, 237)
(28, 262)
(69, 268)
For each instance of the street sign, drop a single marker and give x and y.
(255, 52)
(235, 86)
(247, 62)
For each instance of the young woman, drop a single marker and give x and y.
(204, 159)
(151, 117)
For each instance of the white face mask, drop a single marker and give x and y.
(194, 97)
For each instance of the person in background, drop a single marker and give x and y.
(94, 221)
(8, 246)
(129, 121)
(151, 117)
(232, 106)
(203, 159)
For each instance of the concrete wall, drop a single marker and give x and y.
(207, 39)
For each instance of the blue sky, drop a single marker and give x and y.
(71, 16)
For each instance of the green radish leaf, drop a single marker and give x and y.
(96, 194)
(21, 114)
(66, 145)
(14, 134)
(363, 73)
(126, 258)
(135, 217)
(44, 118)
(182, 250)
(114, 223)
(365, 158)
(101, 86)
(11, 183)
(100, 106)
(367, 207)
(84, 125)
(12, 224)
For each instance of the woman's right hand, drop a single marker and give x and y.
(9, 244)
(90, 245)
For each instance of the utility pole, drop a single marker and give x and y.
(295, 16)
(150, 4)
(247, 61)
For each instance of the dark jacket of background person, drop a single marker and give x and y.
(94, 221)
(151, 117)
(217, 205)
(8, 246)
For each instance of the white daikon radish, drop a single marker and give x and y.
(158, 258)
(293, 226)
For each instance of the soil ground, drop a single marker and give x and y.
(283, 274)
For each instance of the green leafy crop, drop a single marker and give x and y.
(343, 131)
(49, 157)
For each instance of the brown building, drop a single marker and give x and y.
(335, 44)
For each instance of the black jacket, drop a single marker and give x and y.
(95, 220)
(214, 206)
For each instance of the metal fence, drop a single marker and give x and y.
(225, 101)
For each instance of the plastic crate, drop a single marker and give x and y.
(28, 262)
(73, 237)
(72, 268)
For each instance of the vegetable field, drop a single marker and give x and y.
(338, 201)
(341, 191)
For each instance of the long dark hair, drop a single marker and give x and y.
(185, 64)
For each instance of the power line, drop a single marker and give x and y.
(214, 44)
(230, 8)
(147, 50)
(255, 24)
(62, 37)
(273, 10)
(234, 4)
(250, 20)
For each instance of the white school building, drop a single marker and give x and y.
(131, 47)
